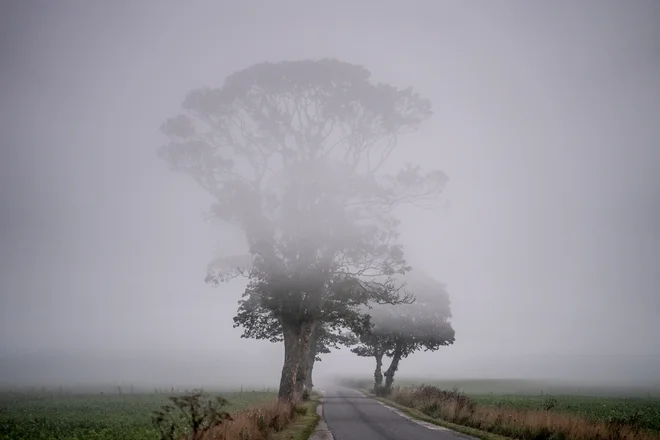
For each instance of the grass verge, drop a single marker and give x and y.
(417, 414)
(303, 427)
(272, 420)
(526, 424)
(606, 405)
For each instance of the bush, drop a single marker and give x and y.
(550, 403)
(190, 415)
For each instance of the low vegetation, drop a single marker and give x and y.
(540, 419)
(61, 416)
(275, 419)
(643, 411)
(530, 387)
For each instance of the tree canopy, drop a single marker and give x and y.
(259, 322)
(292, 153)
(397, 332)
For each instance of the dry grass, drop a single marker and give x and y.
(458, 408)
(257, 423)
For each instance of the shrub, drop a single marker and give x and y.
(190, 415)
(550, 403)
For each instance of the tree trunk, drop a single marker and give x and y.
(309, 383)
(304, 376)
(394, 365)
(306, 366)
(296, 346)
(378, 373)
(300, 378)
(311, 357)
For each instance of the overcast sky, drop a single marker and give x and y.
(547, 122)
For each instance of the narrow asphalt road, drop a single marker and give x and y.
(350, 415)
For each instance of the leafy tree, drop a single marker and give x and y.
(259, 323)
(328, 338)
(293, 154)
(397, 332)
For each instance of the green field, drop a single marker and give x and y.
(41, 416)
(535, 387)
(637, 405)
(642, 411)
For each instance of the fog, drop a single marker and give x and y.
(546, 120)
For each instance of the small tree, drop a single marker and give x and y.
(399, 331)
(293, 153)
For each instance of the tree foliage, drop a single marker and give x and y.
(397, 332)
(293, 154)
(259, 322)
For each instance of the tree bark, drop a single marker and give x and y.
(296, 345)
(378, 373)
(306, 366)
(311, 359)
(300, 377)
(309, 383)
(394, 365)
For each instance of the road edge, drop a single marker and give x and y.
(428, 422)
(321, 432)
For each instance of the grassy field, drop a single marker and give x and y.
(535, 387)
(60, 416)
(642, 411)
(638, 406)
(595, 402)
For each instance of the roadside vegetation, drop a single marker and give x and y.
(274, 420)
(640, 411)
(62, 416)
(594, 414)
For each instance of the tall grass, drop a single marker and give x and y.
(258, 423)
(526, 424)
(198, 416)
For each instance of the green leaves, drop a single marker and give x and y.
(421, 325)
(291, 153)
(190, 415)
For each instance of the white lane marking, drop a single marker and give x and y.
(427, 425)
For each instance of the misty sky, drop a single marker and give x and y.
(547, 121)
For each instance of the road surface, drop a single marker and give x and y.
(350, 415)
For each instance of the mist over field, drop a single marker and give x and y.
(545, 120)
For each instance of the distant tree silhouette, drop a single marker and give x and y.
(397, 332)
